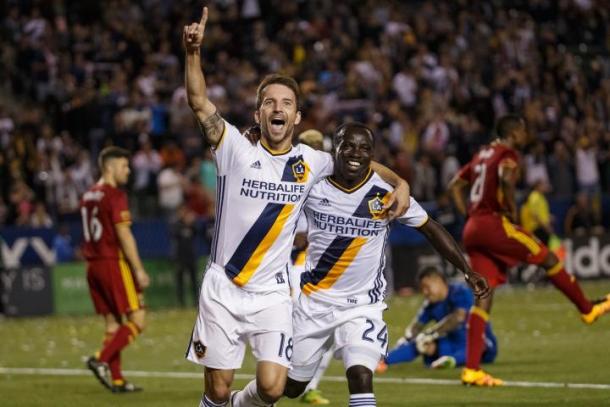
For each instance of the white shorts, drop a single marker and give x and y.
(359, 335)
(229, 317)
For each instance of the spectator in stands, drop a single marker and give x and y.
(561, 171)
(184, 232)
(40, 218)
(146, 165)
(170, 184)
(581, 219)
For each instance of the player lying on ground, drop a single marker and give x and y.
(343, 287)
(443, 344)
(494, 242)
(244, 295)
(115, 273)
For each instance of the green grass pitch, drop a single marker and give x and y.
(541, 339)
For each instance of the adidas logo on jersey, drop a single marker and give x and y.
(324, 202)
(256, 165)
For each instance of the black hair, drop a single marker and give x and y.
(339, 133)
(429, 272)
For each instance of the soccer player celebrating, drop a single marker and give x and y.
(494, 242)
(443, 344)
(115, 273)
(244, 295)
(343, 287)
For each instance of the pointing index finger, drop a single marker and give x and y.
(204, 17)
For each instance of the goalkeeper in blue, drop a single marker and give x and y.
(438, 332)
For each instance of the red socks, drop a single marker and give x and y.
(111, 353)
(115, 363)
(568, 285)
(475, 340)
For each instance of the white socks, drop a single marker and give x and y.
(249, 397)
(362, 400)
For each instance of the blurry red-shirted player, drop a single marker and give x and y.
(115, 273)
(494, 242)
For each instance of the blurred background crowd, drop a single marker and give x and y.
(429, 77)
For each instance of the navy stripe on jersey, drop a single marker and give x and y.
(294, 170)
(253, 238)
(220, 189)
(376, 294)
(331, 255)
(363, 210)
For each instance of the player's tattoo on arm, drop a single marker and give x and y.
(212, 128)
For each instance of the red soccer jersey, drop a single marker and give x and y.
(102, 207)
(483, 174)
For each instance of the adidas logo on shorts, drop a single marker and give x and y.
(324, 202)
(256, 165)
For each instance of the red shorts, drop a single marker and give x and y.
(493, 244)
(113, 288)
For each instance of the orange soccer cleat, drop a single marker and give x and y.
(600, 308)
(473, 377)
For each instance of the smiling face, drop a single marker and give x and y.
(353, 152)
(277, 115)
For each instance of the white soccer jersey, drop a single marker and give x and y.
(260, 194)
(347, 236)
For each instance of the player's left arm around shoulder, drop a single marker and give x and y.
(446, 245)
(400, 199)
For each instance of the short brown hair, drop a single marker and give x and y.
(280, 79)
(109, 153)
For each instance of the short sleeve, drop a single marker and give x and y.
(120, 209)
(461, 297)
(231, 145)
(423, 315)
(325, 165)
(416, 216)
(509, 159)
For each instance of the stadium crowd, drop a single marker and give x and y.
(428, 77)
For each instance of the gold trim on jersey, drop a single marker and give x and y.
(130, 288)
(338, 268)
(523, 238)
(272, 151)
(355, 188)
(257, 257)
(300, 260)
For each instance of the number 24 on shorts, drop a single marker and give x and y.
(382, 335)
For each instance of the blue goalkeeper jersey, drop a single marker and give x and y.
(459, 296)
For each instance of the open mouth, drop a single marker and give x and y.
(277, 125)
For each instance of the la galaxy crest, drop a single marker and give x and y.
(376, 207)
(299, 170)
(199, 349)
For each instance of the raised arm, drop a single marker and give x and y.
(446, 245)
(400, 197)
(210, 122)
